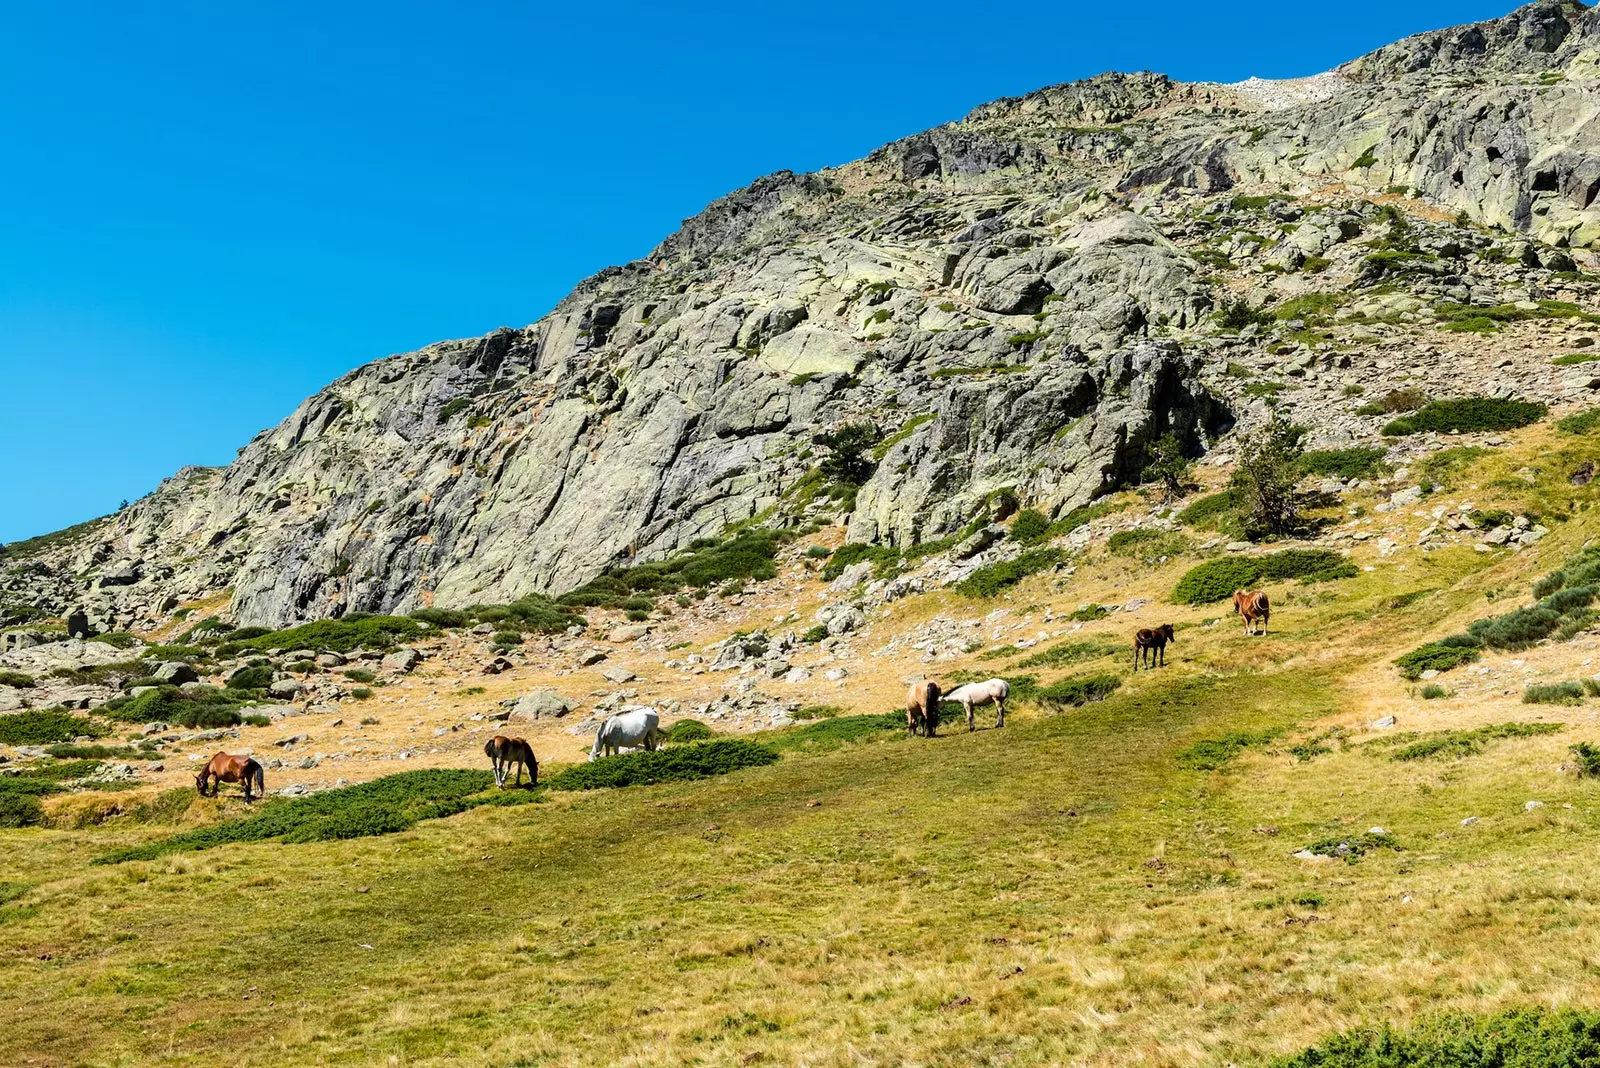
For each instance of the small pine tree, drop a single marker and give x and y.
(1168, 465)
(847, 460)
(1266, 479)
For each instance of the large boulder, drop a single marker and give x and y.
(541, 704)
(78, 624)
(175, 673)
(400, 661)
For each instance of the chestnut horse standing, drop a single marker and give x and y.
(504, 752)
(922, 707)
(1252, 607)
(224, 767)
(1149, 644)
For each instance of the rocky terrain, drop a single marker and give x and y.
(1024, 299)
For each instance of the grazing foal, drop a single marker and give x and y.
(1252, 607)
(1150, 644)
(504, 752)
(922, 707)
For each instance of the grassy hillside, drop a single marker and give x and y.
(1112, 884)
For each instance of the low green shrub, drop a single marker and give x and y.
(1439, 656)
(507, 637)
(1030, 527)
(339, 635)
(1069, 653)
(381, 806)
(116, 640)
(1353, 847)
(1463, 743)
(706, 563)
(1213, 754)
(819, 712)
(187, 653)
(1567, 692)
(44, 726)
(443, 618)
(1586, 759)
(361, 675)
(20, 810)
(698, 760)
(814, 634)
(829, 732)
(1524, 627)
(1210, 511)
(360, 693)
(1394, 401)
(689, 730)
(993, 579)
(203, 706)
(1078, 691)
(1357, 463)
(1216, 580)
(1089, 613)
(1579, 422)
(845, 556)
(1147, 543)
(1433, 692)
(16, 678)
(1517, 1038)
(255, 677)
(68, 751)
(1469, 413)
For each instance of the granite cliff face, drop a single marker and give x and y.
(1021, 299)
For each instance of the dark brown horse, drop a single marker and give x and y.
(1150, 644)
(1253, 608)
(504, 752)
(922, 707)
(225, 767)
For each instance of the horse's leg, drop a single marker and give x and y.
(999, 713)
(971, 725)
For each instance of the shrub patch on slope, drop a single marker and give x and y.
(1215, 580)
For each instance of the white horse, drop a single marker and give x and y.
(633, 727)
(976, 693)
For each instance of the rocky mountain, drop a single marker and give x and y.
(1022, 299)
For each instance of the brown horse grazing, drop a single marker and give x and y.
(1252, 607)
(1149, 644)
(224, 767)
(504, 752)
(922, 707)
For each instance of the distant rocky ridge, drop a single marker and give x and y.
(1039, 278)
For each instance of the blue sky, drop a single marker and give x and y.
(212, 210)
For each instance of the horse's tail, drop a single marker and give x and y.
(260, 774)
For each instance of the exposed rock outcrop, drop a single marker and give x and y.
(1017, 300)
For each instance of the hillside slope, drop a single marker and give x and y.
(1221, 862)
(1039, 277)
